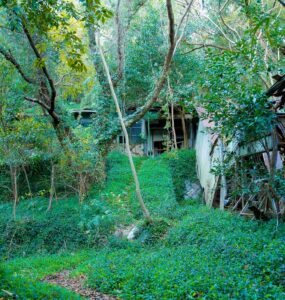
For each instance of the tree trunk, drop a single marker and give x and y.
(93, 47)
(223, 189)
(82, 189)
(120, 41)
(134, 172)
(52, 186)
(172, 115)
(273, 160)
(173, 126)
(28, 182)
(13, 173)
(185, 133)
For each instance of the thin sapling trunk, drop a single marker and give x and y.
(134, 172)
(13, 173)
(52, 187)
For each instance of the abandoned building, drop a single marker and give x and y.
(153, 134)
(159, 129)
(84, 116)
(268, 152)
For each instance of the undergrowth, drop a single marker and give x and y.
(188, 252)
(157, 188)
(70, 225)
(207, 255)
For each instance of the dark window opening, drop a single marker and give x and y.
(159, 147)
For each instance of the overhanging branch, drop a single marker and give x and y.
(53, 114)
(9, 57)
(44, 68)
(42, 104)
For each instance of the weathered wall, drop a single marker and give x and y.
(207, 154)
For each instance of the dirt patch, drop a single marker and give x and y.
(76, 285)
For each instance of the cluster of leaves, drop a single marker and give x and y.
(235, 102)
(233, 92)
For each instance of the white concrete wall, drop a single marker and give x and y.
(205, 161)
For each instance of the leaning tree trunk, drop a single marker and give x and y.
(134, 172)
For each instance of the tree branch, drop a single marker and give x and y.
(205, 45)
(42, 104)
(220, 29)
(161, 81)
(53, 114)
(183, 18)
(9, 57)
(224, 22)
(44, 68)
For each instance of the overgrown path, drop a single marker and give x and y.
(76, 285)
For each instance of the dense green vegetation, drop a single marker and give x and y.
(39, 231)
(190, 251)
(51, 67)
(195, 262)
(78, 80)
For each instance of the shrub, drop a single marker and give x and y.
(68, 226)
(151, 233)
(183, 167)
